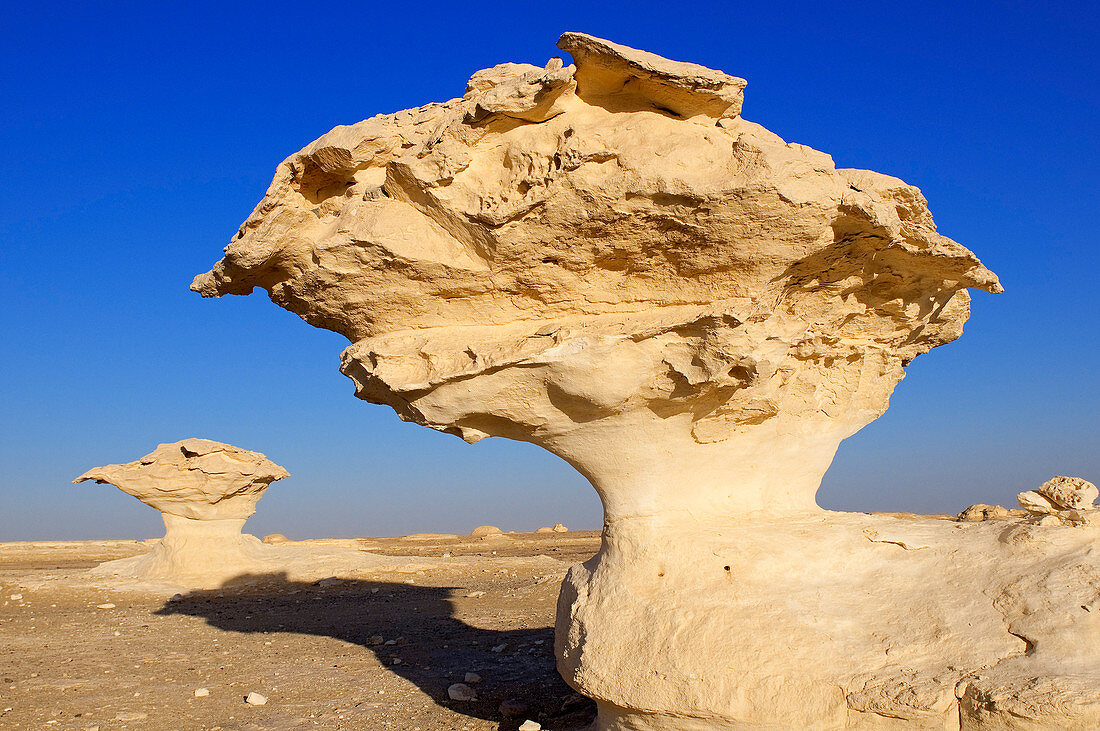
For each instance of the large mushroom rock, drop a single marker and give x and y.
(608, 261)
(205, 491)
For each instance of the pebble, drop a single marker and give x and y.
(461, 692)
(472, 678)
(255, 699)
(16, 597)
(530, 725)
(474, 594)
(202, 692)
(500, 647)
(374, 640)
(108, 605)
(511, 708)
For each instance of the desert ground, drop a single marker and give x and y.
(362, 651)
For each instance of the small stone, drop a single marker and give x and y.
(1050, 520)
(474, 594)
(500, 647)
(255, 699)
(16, 597)
(176, 598)
(395, 660)
(461, 692)
(108, 605)
(530, 725)
(130, 716)
(511, 708)
(473, 678)
(373, 640)
(202, 692)
(390, 642)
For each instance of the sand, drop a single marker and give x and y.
(76, 654)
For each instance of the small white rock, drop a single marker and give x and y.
(500, 647)
(472, 678)
(255, 699)
(530, 725)
(16, 597)
(474, 594)
(461, 692)
(108, 605)
(202, 692)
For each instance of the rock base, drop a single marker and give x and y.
(836, 620)
(207, 554)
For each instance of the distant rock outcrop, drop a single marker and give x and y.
(608, 261)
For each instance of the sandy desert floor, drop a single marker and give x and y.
(369, 651)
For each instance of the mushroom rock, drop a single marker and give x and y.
(607, 260)
(205, 491)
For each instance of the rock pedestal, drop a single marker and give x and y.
(606, 260)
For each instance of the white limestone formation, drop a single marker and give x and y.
(607, 260)
(205, 491)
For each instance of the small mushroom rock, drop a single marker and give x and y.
(605, 259)
(205, 491)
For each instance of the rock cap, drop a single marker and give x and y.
(194, 478)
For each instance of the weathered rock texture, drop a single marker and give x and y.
(205, 491)
(606, 260)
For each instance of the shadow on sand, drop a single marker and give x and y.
(435, 648)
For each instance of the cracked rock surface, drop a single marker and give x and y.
(607, 260)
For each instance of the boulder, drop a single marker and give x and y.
(606, 260)
(1069, 493)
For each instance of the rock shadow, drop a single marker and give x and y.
(421, 640)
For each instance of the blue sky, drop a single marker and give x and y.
(137, 137)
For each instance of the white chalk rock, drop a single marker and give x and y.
(255, 699)
(607, 261)
(1069, 493)
(461, 692)
(206, 491)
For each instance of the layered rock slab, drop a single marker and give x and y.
(606, 260)
(205, 491)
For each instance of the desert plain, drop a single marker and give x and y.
(361, 650)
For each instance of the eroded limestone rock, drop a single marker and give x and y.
(606, 260)
(205, 491)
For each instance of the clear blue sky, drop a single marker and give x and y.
(137, 136)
